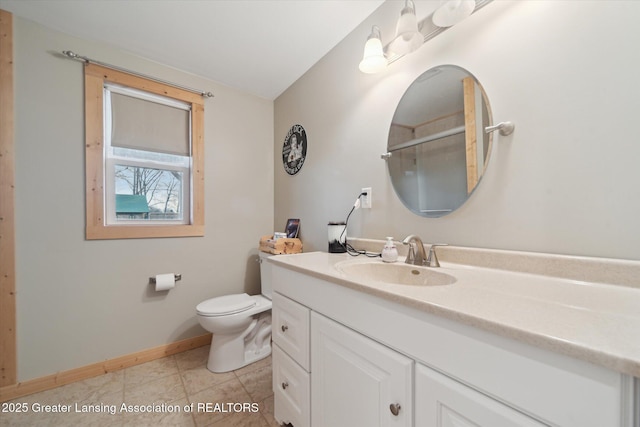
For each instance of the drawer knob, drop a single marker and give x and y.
(395, 408)
(284, 328)
(285, 385)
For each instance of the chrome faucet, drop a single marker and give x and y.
(416, 255)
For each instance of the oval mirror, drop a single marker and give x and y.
(437, 150)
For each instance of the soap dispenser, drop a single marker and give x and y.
(389, 252)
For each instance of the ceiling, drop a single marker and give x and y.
(257, 46)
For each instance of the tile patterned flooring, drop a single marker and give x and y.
(242, 398)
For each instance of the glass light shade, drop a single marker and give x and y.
(452, 12)
(407, 24)
(373, 60)
(408, 37)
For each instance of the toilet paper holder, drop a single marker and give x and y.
(152, 280)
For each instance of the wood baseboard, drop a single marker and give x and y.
(82, 373)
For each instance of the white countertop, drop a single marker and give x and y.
(595, 322)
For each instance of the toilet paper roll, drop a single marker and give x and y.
(164, 282)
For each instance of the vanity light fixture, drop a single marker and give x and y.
(411, 34)
(373, 60)
(452, 12)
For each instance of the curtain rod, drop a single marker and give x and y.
(72, 55)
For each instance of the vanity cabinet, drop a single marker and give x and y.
(368, 356)
(356, 380)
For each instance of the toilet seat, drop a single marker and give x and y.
(226, 305)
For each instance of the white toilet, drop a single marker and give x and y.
(241, 325)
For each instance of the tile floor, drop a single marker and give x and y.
(241, 398)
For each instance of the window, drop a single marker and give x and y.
(144, 157)
(147, 157)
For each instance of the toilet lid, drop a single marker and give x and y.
(228, 304)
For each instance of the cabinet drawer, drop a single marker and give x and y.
(291, 328)
(291, 390)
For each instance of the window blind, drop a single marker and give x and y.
(147, 125)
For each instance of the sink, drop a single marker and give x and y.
(396, 273)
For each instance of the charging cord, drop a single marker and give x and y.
(350, 249)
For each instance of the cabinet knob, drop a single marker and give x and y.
(284, 328)
(285, 385)
(395, 408)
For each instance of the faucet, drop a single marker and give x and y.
(416, 255)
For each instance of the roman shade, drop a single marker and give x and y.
(148, 125)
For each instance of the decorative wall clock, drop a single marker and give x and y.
(294, 149)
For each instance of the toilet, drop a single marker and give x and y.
(241, 325)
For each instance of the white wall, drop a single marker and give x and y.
(566, 181)
(81, 302)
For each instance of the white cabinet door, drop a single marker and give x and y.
(355, 381)
(443, 402)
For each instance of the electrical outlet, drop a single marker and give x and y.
(366, 199)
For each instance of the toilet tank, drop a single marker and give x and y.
(265, 275)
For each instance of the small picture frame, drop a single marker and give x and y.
(293, 228)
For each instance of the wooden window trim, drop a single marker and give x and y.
(95, 78)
